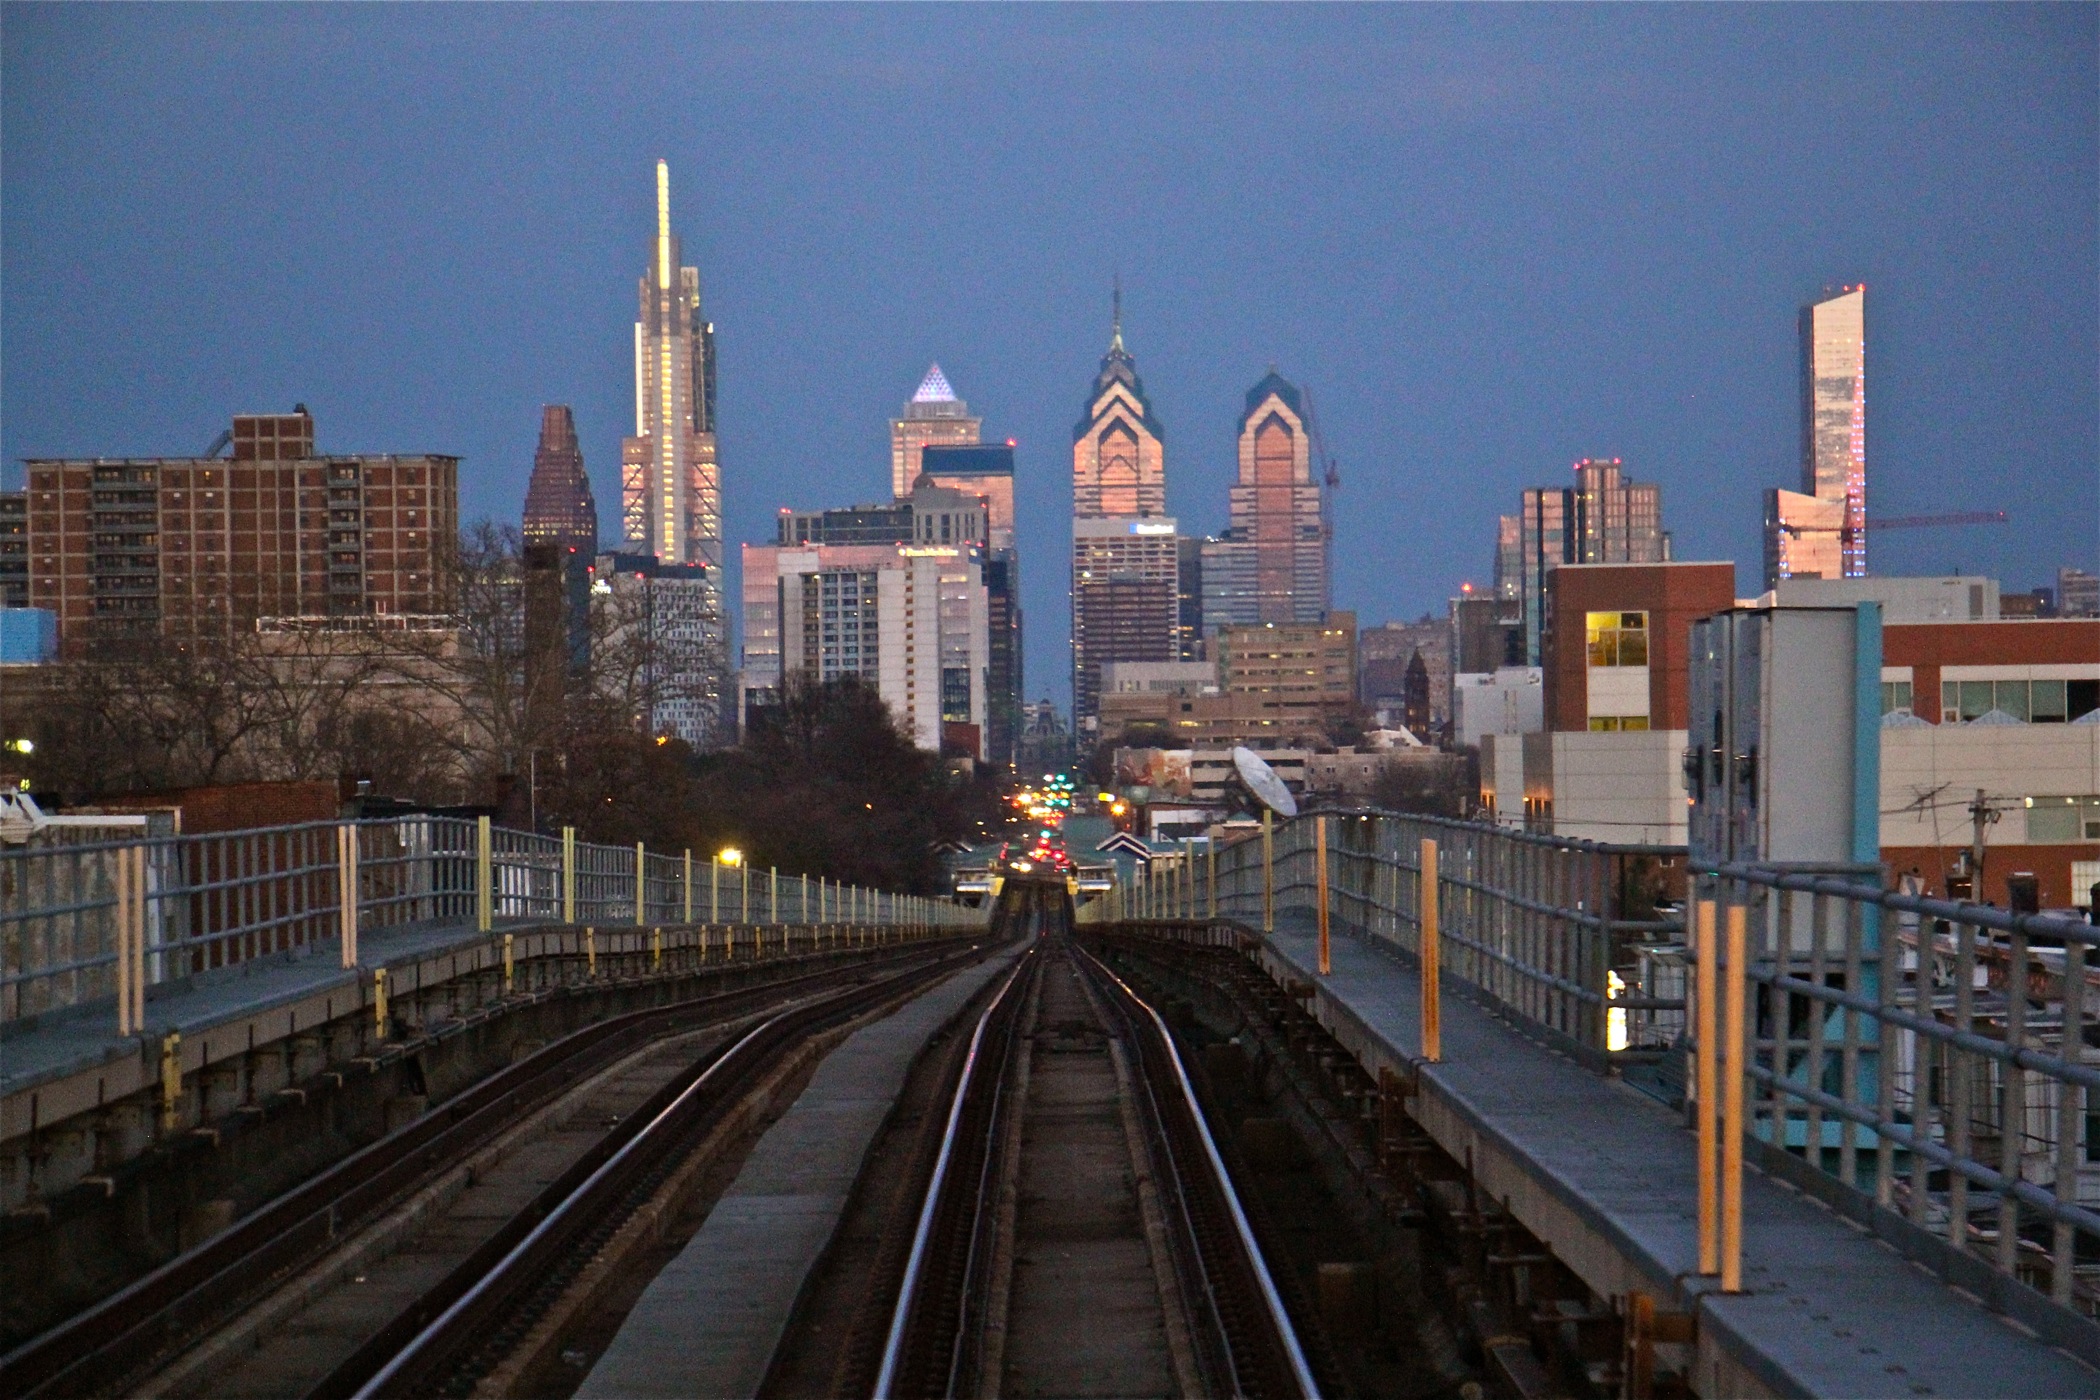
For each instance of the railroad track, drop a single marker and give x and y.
(965, 1308)
(111, 1347)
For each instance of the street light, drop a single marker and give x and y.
(22, 745)
(730, 855)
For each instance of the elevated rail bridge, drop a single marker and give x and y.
(1363, 1103)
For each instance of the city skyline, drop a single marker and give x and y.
(1658, 327)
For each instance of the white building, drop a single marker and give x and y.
(1492, 711)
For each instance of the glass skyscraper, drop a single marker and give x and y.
(1271, 563)
(1602, 519)
(1820, 531)
(671, 485)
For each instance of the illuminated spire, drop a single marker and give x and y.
(1115, 343)
(934, 388)
(663, 225)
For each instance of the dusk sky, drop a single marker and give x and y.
(1490, 240)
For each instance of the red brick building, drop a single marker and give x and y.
(175, 546)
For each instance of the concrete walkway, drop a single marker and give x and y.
(1607, 1176)
(709, 1323)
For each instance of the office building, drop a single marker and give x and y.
(985, 470)
(1602, 519)
(1820, 531)
(1126, 555)
(670, 478)
(1271, 563)
(1492, 712)
(2077, 593)
(655, 644)
(1125, 601)
(932, 515)
(933, 418)
(671, 487)
(559, 507)
(14, 549)
(1300, 667)
(1947, 598)
(1608, 765)
(186, 546)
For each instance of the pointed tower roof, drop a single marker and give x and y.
(1118, 366)
(934, 388)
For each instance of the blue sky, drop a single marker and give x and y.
(1491, 240)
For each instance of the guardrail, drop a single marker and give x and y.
(1933, 1060)
(107, 920)
(1560, 932)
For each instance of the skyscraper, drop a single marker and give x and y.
(559, 507)
(1602, 519)
(671, 485)
(1119, 456)
(933, 418)
(1126, 595)
(1820, 531)
(1271, 563)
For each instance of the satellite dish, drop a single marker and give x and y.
(1261, 780)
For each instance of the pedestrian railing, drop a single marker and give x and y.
(1935, 1059)
(1562, 933)
(106, 920)
(1930, 1068)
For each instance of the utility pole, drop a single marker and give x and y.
(1981, 815)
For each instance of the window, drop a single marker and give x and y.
(1617, 638)
(2063, 819)
(1617, 724)
(1895, 695)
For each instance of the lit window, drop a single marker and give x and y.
(1617, 638)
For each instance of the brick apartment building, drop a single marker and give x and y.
(184, 546)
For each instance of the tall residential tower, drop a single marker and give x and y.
(1820, 531)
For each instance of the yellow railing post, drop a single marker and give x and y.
(1320, 860)
(509, 964)
(641, 884)
(687, 885)
(1706, 1031)
(346, 890)
(379, 1002)
(484, 877)
(1732, 1108)
(1432, 959)
(568, 875)
(1268, 871)
(773, 893)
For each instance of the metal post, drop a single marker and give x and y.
(1212, 852)
(805, 895)
(124, 1024)
(1320, 859)
(714, 889)
(568, 875)
(641, 884)
(1268, 872)
(485, 873)
(379, 1001)
(773, 894)
(688, 885)
(1432, 959)
(1707, 1042)
(346, 890)
(743, 903)
(1732, 1109)
(509, 964)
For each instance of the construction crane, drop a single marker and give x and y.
(1322, 461)
(1922, 522)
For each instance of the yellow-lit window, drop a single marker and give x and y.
(1617, 638)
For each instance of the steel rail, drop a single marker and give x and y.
(435, 1332)
(110, 1339)
(914, 1267)
(499, 1268)
(1279, 1317)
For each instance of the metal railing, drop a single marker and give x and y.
(1933, 1058)
(1544, 927)
(1931, 1068)
(83, 923)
